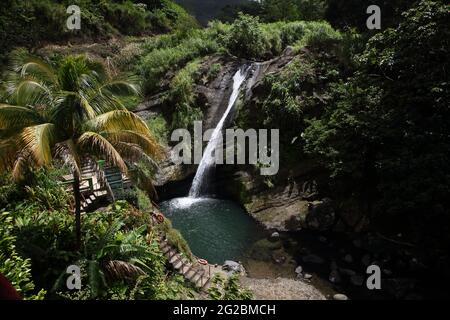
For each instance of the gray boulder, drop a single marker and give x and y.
(340, 296)
(232, 266)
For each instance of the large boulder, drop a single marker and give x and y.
(233, 267)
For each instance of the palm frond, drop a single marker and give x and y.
(39, 140)
(21, 166)
(121, 270)
(9, 149)
(67, 150)
(87, 108)
(94, 142)
(39, 68)
(17, 117)
(30, 92)
(118, 120)
(120, 87)
(23, 64)
(146, 142)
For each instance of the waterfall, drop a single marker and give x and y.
(207, 164)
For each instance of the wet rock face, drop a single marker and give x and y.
(212, 94)
(287, 207)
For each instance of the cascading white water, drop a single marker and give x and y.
(200, 183)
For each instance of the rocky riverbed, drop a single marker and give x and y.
(281, 289)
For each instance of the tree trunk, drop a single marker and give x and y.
(77, 195)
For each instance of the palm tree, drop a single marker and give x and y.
(69, 111)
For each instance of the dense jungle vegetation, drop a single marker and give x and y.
(370, 107)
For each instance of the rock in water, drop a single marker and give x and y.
(232, 266)
(298, 270)
(340, 296)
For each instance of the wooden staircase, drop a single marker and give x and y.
(117, 183)
(92, 186)
(98, 184)
(196, 273)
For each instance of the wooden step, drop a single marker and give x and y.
(165, 249)
(189, 275)
(206, 284)
(186, 268)
(178, 265)
(201, 282)
(101, 193)
(196, 277)
(175, 258)
(170, 254)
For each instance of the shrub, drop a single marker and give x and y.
(172, 53)
(213, 71)
(12, 265)
(228, 289)
(159, 128)
(100, 19)
(182, 95)
(245, 38)
(292, 32)
(319, 33)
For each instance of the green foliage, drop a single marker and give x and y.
(143, 202)
(278, 10)
(290, 10)
(385, 138)
(319, 34)
(250, 39)
(228, 289)
(159, 128)
(290, 97)
(99, 19)
(182, 96)
(245, 38)
(175, 238)
(120, 258)
(12, 265)
(173, 52)
(213, 71)
(41, 189)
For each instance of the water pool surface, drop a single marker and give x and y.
(216, 230)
